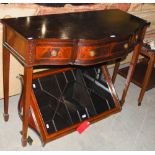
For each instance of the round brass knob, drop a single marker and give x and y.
(126, 46)
(92, 53)
(54, 52)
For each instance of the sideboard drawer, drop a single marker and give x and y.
(53, 53)
(92, 53)
(120, 46)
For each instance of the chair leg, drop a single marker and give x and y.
(115, 72)
(146, 79)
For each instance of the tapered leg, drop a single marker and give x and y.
(115, 72)
(131, 71)
(6, 68)
(146, 79)
(26, 101)
(113, 93)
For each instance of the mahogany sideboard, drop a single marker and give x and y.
(70, 39)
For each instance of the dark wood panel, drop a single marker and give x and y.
(92, 25)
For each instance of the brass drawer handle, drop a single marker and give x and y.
(126, 46)
(54, 52)
(92, 53)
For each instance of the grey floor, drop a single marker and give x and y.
(131, 129)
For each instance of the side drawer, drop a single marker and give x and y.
(49, 53)
(120, 46)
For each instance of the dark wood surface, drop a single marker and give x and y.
(84, 38)
(95, 25)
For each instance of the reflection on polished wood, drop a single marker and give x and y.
(86, 38)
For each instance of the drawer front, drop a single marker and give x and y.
(120, 49)
(96, 54)
(125, 46)
(121, 46)
(90, 53)
(53, 53)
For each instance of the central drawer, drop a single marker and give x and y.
(92, 54)
(87, 54)
(53, 54)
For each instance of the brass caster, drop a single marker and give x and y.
(24, 142)
(139, 103)
(29, 140)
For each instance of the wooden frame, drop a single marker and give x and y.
(38, 124)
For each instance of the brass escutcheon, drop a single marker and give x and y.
(126, 45)
(54, 53)
(92, 53)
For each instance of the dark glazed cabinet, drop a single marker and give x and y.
(66, 98)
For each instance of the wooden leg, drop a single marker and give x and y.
(26, 102)
(108, 79)
(115, 72)
(131, 71)
(6, 68)
(146, 79)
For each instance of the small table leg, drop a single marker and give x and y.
(146, 79)
(131, 71)
(6, 68)
(26, 101)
